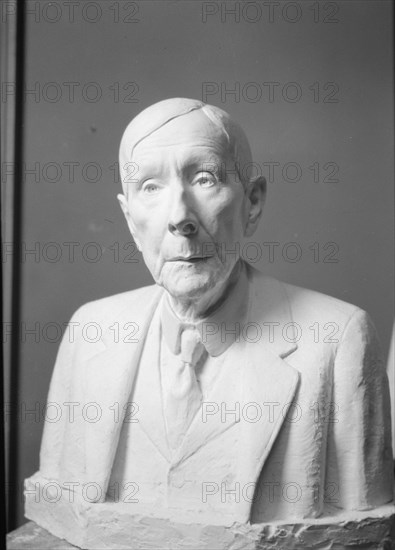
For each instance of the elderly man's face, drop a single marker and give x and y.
(186, 207)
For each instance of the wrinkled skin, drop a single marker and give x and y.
(186, 208)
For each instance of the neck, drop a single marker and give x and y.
(193, 310)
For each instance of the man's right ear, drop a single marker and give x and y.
(125, 209)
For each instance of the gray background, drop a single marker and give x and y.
(170, 51)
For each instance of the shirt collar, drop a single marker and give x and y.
(219, 330)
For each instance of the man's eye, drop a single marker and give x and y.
(150, 188)
(208, 180)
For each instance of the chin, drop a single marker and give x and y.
(185, 285)
(187, 289)
(189, 281)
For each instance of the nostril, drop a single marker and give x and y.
(189, 228)
(183, 228)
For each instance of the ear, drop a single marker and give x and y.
(125, 209)
(255, 195)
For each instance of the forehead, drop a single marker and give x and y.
(193, 134)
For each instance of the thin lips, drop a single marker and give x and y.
(187, 258)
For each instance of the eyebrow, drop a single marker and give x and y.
(191, 162)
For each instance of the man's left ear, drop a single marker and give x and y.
(256, 195)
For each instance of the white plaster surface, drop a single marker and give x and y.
(113, 526)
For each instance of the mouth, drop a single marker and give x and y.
(190, 259)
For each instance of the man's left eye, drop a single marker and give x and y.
(206, 180)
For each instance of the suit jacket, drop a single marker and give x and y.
(310, 370)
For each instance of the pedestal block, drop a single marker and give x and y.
(117, 525)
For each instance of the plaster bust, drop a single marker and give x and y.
(200, 420)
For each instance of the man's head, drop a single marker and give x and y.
(188, 196)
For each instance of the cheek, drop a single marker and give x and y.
(148, 224)
(226, 219)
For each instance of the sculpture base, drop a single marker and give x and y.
(31, 536)
(113, 526)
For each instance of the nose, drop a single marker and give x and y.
(182, 220)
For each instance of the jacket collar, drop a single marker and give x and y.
(271, 314)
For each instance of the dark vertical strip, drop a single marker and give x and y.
(2, 463)
(2, 431)
(14, 491)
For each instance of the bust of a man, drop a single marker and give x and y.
(223, 407)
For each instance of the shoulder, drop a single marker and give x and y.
(350, 322)
(308, 306)
(309, 302)
(113, 306)
(337, 328)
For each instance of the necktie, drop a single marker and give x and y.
(183, 400)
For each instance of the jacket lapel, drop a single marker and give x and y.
(268, 379)
(149, 392)
(270, 383)
(108, 382)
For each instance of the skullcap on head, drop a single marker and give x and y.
(154, 117)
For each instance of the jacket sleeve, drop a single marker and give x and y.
(359, 472)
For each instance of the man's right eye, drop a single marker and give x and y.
(150, 188)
